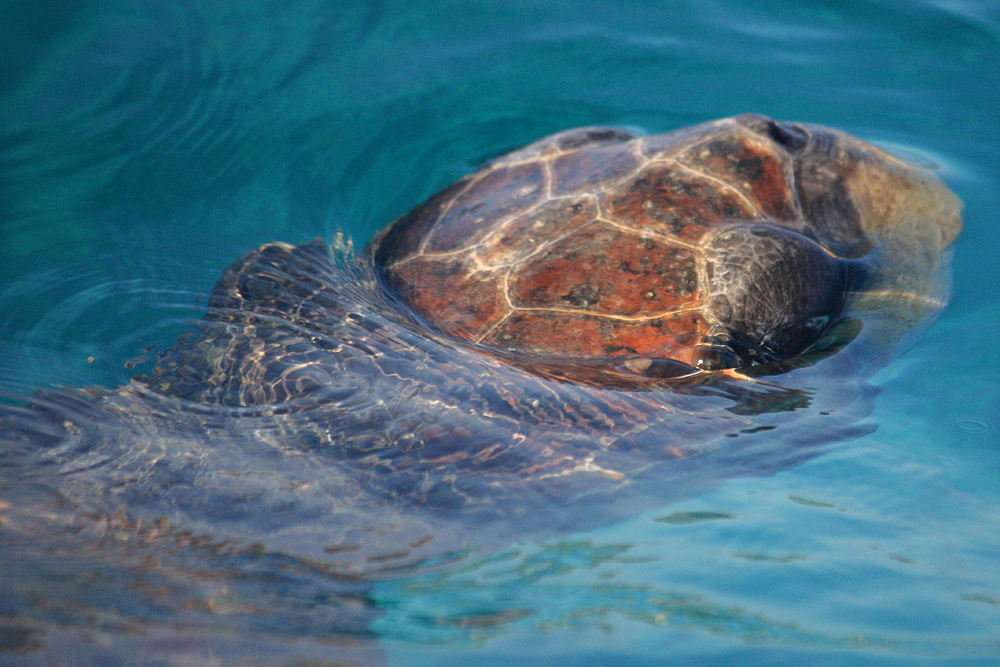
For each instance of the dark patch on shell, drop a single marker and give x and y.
(500, 192)
(597, 135)
(590, 170)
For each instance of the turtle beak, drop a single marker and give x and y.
(897, 220)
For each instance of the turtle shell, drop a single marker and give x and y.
(729, 244)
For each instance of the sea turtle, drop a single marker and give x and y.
(555, 324)
(589, 303)
(594, 318)
(732, 244)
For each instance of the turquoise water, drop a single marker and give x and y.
(145, 146)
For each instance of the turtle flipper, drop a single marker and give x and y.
(271, 325)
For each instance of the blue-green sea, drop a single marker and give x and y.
(146, 145)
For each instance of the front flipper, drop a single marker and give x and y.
(277, 326)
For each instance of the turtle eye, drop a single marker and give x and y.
(658, 369)
(713, 358)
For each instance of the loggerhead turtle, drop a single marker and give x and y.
(729, 245)
(560, 321)
(591, 325)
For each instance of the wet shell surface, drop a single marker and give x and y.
(729, 244)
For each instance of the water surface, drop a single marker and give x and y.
(145, 146)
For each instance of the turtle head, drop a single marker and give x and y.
(870, 240)
(860, 203)
(854, 196)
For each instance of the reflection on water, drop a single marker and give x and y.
(304, 450)
(87, 323)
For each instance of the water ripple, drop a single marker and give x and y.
(85, 325)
